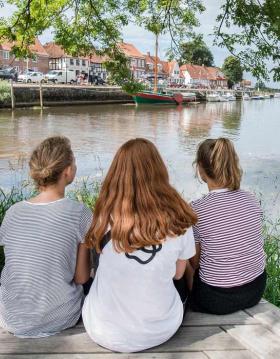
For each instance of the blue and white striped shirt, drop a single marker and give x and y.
(38, 296)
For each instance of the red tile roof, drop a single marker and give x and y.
(130, 50)
(37, 48)
(202, 72)
(55, 51)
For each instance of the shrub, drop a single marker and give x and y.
(5, 91)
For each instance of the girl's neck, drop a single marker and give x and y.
(49, 194)
(213, 186)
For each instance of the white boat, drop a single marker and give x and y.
(257, 97)
(188, 96)
(223, 98)
(266, 97)
(213, 97)
(246, 97)
(277, 94)
(229, 97)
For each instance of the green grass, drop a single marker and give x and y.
(86, 191)
(272, 249)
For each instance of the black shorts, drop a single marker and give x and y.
(215, 300)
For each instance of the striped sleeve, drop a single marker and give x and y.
(4, 226)
(85, 223)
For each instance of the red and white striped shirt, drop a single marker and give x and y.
(229, 231)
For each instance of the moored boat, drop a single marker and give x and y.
(246, 97)
(277, 95)
(213, 97)
(188, 97)
(150, 97)
(229, 97)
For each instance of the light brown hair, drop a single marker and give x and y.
(219, 160)
(138, 202)
(49, 159)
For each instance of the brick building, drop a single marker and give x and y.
(40, 62)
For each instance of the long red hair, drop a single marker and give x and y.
(138, 202)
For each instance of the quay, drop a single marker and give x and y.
(33, 95)
(248, 334)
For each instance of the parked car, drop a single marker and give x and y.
(61, 76)
(97, 80)
(8, 74)
(29, 77)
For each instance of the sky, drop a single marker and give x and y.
(145, 41)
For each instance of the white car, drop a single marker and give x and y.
(31, 77)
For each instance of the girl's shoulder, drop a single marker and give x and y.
(215, 197)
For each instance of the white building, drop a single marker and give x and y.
(59, 60)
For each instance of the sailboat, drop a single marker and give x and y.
(156, 97)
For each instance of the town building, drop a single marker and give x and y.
(137, 59)
(203, 76)
(60, 60)
(39, 61)
(168, 70)
(97, 67)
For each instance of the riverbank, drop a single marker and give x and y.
(87, 192)
(31, 95)
(47, 95)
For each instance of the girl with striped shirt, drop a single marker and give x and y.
(228, 235)
(46, 262)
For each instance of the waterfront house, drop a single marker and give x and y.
(168, 70)
(137, 59)
(150, 67)
(39, 61)
(60, 60)
(203, 76)
(97, 67)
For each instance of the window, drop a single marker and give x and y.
(84, 62)
(55, 64)
(143, 63)
(6, 55)
(77, 62)
(71, 61)
(35, 58)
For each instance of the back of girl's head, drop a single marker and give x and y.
(137, 201)
(219, 161)
(49, 159)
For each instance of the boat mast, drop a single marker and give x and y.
(156, 66)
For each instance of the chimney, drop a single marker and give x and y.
(148, 53)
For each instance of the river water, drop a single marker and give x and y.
(96, 132)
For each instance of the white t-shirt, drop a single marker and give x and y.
(133, 306)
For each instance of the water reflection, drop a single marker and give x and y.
(97, 131)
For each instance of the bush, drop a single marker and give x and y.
(5, 91)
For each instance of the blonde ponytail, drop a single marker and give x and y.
(220, 162)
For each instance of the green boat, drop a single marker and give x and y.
(149, 97)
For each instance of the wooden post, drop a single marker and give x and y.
(41, 95)
(12, 95)
(156, 66)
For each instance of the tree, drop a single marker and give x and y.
(82, 27)
(233, 70)
(260, 85)
(196, 52)
(250, 30)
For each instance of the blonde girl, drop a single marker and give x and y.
(133, 303)
(228, 235)
(45, 258)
